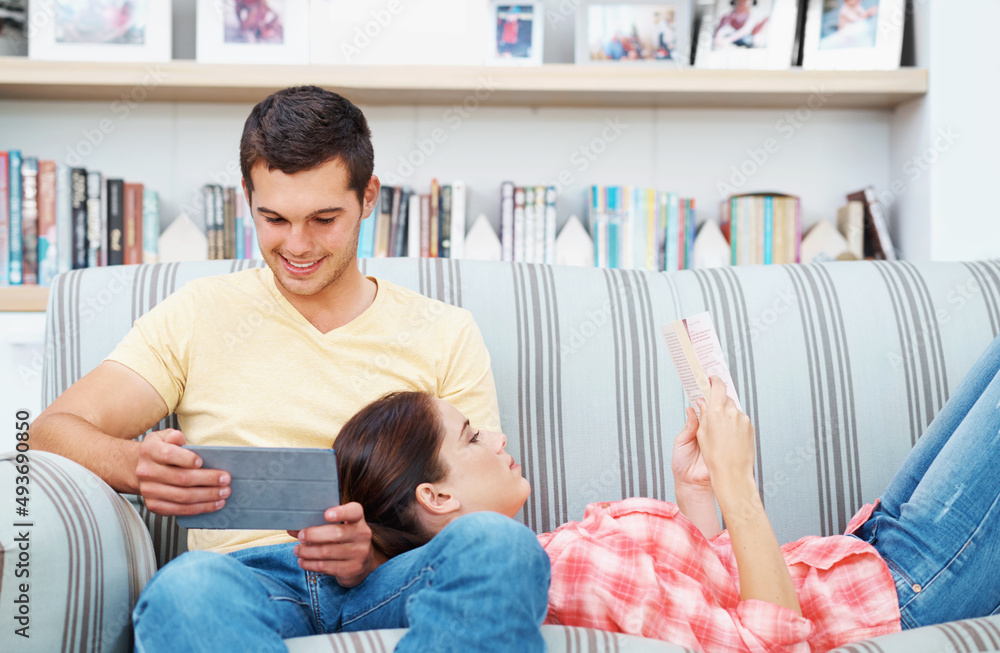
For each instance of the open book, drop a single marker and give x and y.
(697, 355)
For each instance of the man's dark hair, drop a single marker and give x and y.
(303, 127)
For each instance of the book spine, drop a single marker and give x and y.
(692, 229)
(102, 253)
(768, 230)
(366, 235)
(382, 224)
(881, 222)
(397, 200)
(734, 230)
(29, 220)
(519, 225)
(4, 219)
(551, 196)
(673, 220)
(228, 222)
(625, 230)
(529, 225)
(649, 205)
(254, 245)
(16, 239)
(64, 218)
(425, 225)
(239, 231)
(539, 234)
(116, 221)
(81, 248)
(413, 226)
(48, 264)
(458, 198)
(507, 221)
(798, 230)
(218, 196)
(444, 226)
(132, 214)
(209, 207)
(434, 220)
(681, 231)
(150, 226)
(402, 228)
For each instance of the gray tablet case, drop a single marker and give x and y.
(272, 488)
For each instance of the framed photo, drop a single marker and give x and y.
(100, 30)
(623, 32)
(516, 32)
(253, 31)
(854, 34)
(750, 34)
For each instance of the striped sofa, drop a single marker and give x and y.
(839, 365)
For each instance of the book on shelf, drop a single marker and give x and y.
(150, 225)
(15, 268)
(507, 220)
(641, 228)
(4, 219)
(116, 221)
(851, 223)
(406, 222)
(458, 202)
(55, 218)
(762, 228)
(878, 242)
(29, 220)
(695, 350)
(434, 219)
(444, 221)
(413, 225)
(48, 254)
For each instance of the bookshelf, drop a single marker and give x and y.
(550, 85)
(563, 89)
(23, 299)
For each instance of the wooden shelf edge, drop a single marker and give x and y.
(24, 299)
(547, 85)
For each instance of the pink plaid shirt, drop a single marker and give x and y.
(640, 567)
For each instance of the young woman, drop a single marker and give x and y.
(925, 553)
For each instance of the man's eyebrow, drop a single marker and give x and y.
(465, 427)
(329, 209)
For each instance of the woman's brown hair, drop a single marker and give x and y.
(384, 452)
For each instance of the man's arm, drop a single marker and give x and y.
(95, 423)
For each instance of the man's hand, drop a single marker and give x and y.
(342, 549)
(171, 480)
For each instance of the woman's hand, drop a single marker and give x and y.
(692, 482)
(726, 439)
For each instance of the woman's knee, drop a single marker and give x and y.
(499, 541)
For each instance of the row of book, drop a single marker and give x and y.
(528, 223)
(54, 218)
(641, 228)
(229, 227)
(408, 223)
(762, 228)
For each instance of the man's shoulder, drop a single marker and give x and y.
(402, 298)
(236, 284)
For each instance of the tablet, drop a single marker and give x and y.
(273, 488)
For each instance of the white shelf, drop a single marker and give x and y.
(548, 85)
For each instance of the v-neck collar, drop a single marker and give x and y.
(352, 327)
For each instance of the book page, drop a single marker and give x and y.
(697, 354)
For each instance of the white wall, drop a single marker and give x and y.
(944, 146)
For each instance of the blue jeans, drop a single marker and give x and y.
(938, 523)
(479, 585)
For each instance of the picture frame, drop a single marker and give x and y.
(853, 34)
(252, 31)
(100, 30)
(634, 32)
(748, 34)
(398, 33)
(515, 33)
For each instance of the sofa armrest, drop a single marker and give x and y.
(74, 560)
(557, 639)
(970, 635)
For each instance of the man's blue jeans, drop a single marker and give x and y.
(938, 523)
(479, 585)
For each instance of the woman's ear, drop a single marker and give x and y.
(436, 500)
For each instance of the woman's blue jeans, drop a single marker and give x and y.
(938, 523)
(479, 585)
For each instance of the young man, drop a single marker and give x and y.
(317, 354)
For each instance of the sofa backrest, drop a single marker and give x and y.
(840, 367)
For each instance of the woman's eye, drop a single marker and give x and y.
(475, 437)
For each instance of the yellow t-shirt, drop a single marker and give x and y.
(239, 365)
